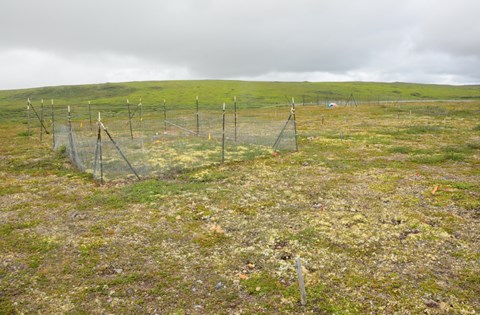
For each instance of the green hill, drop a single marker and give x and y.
(215, 92)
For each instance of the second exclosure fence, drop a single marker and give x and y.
(143, 141)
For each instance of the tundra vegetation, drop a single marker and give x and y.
(381, 203)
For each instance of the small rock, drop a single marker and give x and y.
(286, 256)
(197, 307)
(432, 303)
(243, 276)
(119, 270)
(258, 289)
(77, 216)
(129, 292)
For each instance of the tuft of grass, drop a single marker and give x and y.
(262, 284)
(422, 129)
(209, 239)
(6, 306)
(24, 134)
(154, 190)
(474, 145)
(437, 158)
(402, 150)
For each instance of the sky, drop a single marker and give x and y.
(64, 42)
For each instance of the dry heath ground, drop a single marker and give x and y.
(381, 203)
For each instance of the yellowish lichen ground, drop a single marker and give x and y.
(382, 204)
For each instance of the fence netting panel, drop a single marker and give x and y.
(157, 141)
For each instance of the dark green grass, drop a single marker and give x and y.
(213, 93)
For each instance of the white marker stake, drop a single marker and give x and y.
(301, 282)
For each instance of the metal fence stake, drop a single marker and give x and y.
(223, 134)
(53, 126)
(198, 118)
(41, 121)
(235, 115)
(130, 119)
(28, 118)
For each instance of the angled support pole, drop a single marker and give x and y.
(119, 151)
(277, 141)
(42, 125)
(290, 117)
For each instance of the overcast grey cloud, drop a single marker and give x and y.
(54, 42)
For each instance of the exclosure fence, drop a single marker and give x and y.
(137, 140)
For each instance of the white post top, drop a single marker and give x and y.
(42, 101)
(52, 101)
(293, 100)
(164, 100)
(235, 98)
(99, 117)
(88, 102)
(69, 108)
(128, 101)
(223, 106)
(197, 98)
(28, 100)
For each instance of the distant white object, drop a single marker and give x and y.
(332, 105)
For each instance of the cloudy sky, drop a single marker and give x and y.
(54, 42)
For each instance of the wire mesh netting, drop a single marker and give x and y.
(146, 141)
